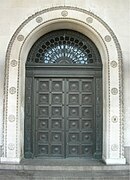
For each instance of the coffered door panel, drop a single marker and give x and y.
(49, 108)
(80, 117)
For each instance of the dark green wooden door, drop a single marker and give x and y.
(64, 117)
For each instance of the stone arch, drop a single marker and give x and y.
(24, 37)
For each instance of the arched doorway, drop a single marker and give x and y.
(25, 36)
(63, 97)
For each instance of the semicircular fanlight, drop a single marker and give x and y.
(65, 54)
(64, 47)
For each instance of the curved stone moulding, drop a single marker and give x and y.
(24, 37)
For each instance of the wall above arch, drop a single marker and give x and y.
(101, 34)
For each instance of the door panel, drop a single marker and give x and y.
(80, 117)
(49, 118)
(64, 117)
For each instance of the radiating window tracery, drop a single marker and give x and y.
(64, 47)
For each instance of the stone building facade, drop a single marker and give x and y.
(106, 25)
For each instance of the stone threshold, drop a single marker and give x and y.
(63, 165)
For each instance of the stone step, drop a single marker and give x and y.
(64, 168)
(63, 175)
(63, 164)
(72, 169)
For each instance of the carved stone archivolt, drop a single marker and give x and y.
(107, 38)
(13, 63)
(113, 64)
(89, 20)
(112, 54)
(12, 90)
(114, 119)
(11, 146)
(11, 118)
(114, 91)
(20, 37)
(64, 13)
(39, 19)
(114, 147)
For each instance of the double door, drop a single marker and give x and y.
(64, 117)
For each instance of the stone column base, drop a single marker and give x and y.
(10, 160)
(114, 161)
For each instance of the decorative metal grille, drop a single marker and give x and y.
(64, 47)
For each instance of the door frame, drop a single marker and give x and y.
(46, 71)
